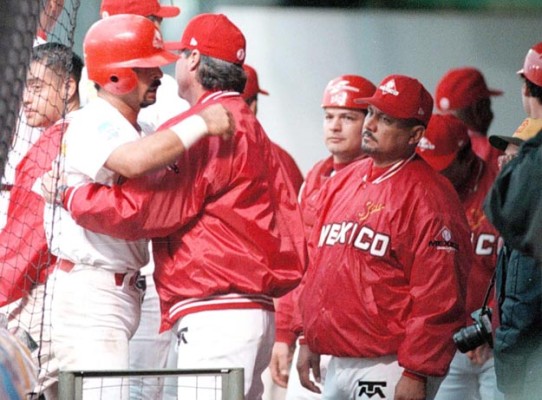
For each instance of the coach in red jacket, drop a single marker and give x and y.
(229, 227)
(389, 255)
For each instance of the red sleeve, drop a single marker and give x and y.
(437, 280)
(23, 247)
(24, 253)
(283, 319)
(151, 206)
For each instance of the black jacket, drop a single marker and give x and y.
(514, 202)
(518, 339)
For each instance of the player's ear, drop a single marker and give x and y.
(194, 59)
(525, 90)
(416, 134)
(71, 88)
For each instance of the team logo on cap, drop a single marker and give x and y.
(425, 144)
(389, 87)
(420, 111)
(240, 54)
(338, 98)
(341, 86)
(444, 103)
(338, 91)
(193, 42)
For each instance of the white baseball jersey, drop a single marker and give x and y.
(95, 131)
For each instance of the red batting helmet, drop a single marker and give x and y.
(532, 66)
(344, 90)
(115, 45)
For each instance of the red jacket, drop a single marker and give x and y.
(389, 258)
(290, 167)
(483, 149)
(288, 316)
(486, 240)
(229, 229)
(24, 254)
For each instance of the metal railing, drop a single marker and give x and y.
(231, 387)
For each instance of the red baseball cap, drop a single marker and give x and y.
(402, 97)
(252, 87)
(444, 137)
(144, 8)
(461, 87)
(213, 35)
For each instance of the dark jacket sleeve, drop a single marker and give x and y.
(514, 203)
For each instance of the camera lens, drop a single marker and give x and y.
(469, 338)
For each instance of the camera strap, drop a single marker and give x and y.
(488, 292)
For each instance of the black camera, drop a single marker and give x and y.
(470, 337)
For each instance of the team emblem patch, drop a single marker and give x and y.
(425, 144)
(443, 241)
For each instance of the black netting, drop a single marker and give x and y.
(36, 68)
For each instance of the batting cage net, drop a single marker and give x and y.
(36, 38)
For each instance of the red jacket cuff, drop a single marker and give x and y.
(415, 376)
(285, 336)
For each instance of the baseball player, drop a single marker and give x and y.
(513, 202)
(250, 94)
(229, 226)
(447, 148)
(343, 122)
(463, 92)
(96, 305)
(518, 338)
(168, 103)
(149, 349)
(26, 135)
(51, 90)
(390, 252)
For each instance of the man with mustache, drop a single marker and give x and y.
(227, 227)
(149, 349)
(96, 303)
(390, 251)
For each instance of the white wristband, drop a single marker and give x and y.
(190, 130)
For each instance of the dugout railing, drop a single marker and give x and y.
(231, 380)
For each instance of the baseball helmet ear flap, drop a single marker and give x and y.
(120, 81)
